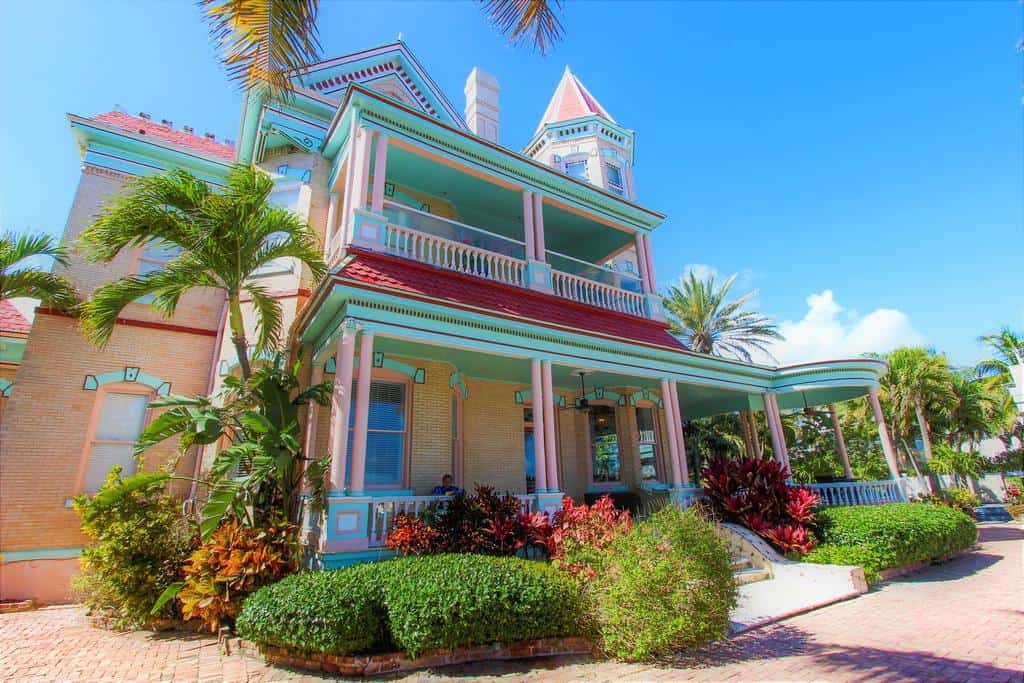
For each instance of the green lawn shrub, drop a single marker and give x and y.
(892, 535)
(138, 542)
(851, 555)
(333, 612)
(415, 603)
(667, 584)
(447, 601)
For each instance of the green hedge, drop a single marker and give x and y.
(416, 603)
(333, 612)
(880, 537)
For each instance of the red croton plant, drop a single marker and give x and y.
(754, 493)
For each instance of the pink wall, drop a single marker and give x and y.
(47, 581)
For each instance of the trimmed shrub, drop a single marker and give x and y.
(444, 601)
(415, 603)
(851, 555)
(332, 612)
(139, 540)
(667, 584)
(898, 534)
(581, 535)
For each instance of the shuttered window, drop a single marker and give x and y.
(121, 420)
(386, 433)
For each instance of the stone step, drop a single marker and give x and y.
(740, 562)
(750, 575)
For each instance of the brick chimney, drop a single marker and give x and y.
(482, 109)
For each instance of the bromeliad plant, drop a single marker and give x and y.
(754, 493)
(257, 477)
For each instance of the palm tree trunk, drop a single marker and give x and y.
(237, 323)
(926, 438)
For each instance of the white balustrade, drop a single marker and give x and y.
(450, 255)
(837, 494)
(384, 511)
(587, 291)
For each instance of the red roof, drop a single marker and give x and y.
(136, 124)
(435, 284)
(11, 319)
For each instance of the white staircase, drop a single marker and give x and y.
(744, 571)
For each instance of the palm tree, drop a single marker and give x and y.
(700, 316)
(263, 42)
(918, 381)
(1008, 349)
(18, 278)
(535, 21)
(222, 239)
(976, 412)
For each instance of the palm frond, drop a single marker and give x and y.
(54, 290)
(262, 42)
(533, 21)
(15, 248)
(268, 320)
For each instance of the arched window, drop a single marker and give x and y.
(119, 414)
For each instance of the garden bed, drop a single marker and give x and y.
(395, 662)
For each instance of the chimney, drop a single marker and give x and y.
(482, 110)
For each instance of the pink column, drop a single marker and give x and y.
(550, 442)
(528, 233)
(883, 432)
(341, 403)
(773, 429)
(312, 414)
(844, 457)
(641, 261)
(358, 476)
(684, 467)
(539, 457)
(379, 177)
(538, 228)
(673, 437)
(651, 279)
(332, 217)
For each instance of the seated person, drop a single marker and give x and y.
(446, 487)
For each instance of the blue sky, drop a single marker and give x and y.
(859, 163)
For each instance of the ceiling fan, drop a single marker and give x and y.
(582, 403)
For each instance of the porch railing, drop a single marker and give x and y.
(448, 244)
(838, 494)
(384, 511)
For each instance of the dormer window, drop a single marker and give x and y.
(613, 174)
(577, 169)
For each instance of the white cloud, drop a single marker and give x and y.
(830, 331)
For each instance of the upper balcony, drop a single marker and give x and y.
(403, 198)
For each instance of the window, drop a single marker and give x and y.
(285, 197)
(577, 169)
(385, 434)
(648, 446)
(121, 419)
(153, 257)
(528, 448)
(604, 444)
(613, 174)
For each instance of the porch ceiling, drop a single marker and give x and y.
(499, 210)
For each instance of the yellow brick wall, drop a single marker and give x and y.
(45, 422)
(494, 448)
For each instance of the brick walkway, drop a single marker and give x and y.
(962, 621)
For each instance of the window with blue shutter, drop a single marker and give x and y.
(385, 433)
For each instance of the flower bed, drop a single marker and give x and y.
(885, 537)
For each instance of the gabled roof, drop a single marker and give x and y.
(141, 126)
(437, 285)
(572, 100)
(11, 319)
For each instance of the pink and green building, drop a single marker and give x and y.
(490, 313)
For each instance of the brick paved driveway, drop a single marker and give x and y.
(962, 621)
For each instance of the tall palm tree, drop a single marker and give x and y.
(976, 412)
(262, 42)
(18, 278)
(1008, 350)
(222, 240)
(918, 381)
(533, 21)
(702, 318)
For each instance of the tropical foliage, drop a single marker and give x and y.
(214, 239)
(20, 278)
(256, 477)
(527, 21)
(700, 315)
(138, 541)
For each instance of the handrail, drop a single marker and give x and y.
(841, 493)
(597, 266)
(451, 255)
(587, 291)
(402, 208)
(384, 510)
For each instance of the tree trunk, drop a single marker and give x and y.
(237, 323)
(926, 438)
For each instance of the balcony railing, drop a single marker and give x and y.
(839, 494)
(451, 245)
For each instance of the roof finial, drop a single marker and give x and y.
(399, 38)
